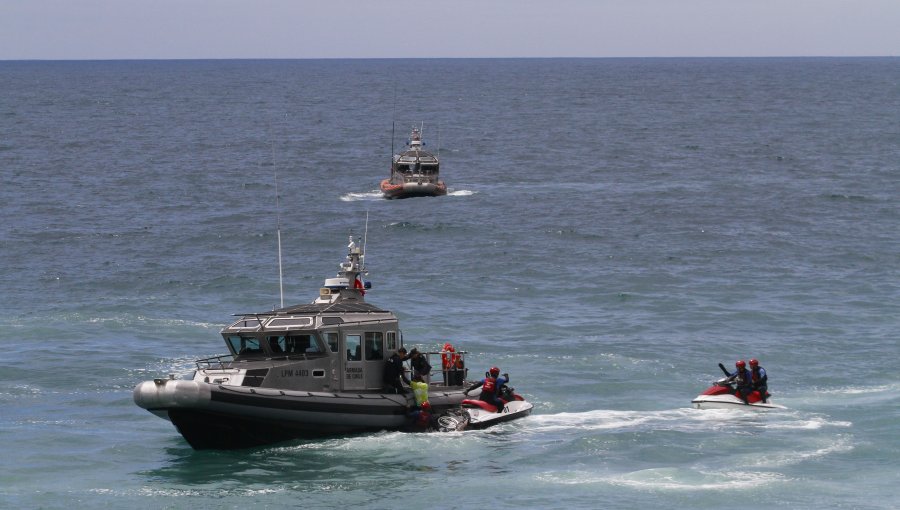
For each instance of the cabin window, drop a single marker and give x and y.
(293, 344)
(353, 344)
(244, 344)
(391, 339)
(245, 324)
(331, 338)
(288, 322)
(374, 346)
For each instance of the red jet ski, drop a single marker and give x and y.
(723, 395)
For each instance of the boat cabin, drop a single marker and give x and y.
(315, 347)
(337, 343)
(415, 162)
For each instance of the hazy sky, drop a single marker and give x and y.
(164, 29)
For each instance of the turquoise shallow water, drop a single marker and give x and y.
(614, 229)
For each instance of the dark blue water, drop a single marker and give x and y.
(614, 229)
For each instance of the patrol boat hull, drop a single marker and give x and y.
(212, 416)
(412, 189)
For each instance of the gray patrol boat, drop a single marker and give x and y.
(415, 172)
(301, 371)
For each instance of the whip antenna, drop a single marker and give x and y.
(365, 238)
(278, 228)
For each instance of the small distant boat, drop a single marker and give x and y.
(415, 172)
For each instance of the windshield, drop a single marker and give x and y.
(244, 345)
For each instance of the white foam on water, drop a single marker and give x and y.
(880, 394)
(602, 419)
(461, 193)
(360, 196)
(684, 420)
(812, 423)
(669, 479)
(840, 444)
(860, 390)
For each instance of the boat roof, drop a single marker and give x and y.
(412, 156)
(339, 307)
(320, 308)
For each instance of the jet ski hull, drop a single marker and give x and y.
(722, 395)
(480, 418)
(731, 402)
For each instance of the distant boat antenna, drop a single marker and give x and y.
(393, 121)
(278, 228)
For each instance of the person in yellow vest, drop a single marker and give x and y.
(420, 414)
(420, 390)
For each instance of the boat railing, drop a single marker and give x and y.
(452, 376)
(420, 177)
(221, 362)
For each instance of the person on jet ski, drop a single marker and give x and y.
(741, 377)
(759, 380)
(491, 387)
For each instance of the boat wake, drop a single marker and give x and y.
(671, 479)
(461, 193)
(362, 196)
(733, 433)
(678, 420)
(377, 195)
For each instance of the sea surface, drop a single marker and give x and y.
(614, 229)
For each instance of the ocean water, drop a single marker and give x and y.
(614, 229)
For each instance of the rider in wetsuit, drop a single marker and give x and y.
(759, 380)
(742, 379)
(491, 386)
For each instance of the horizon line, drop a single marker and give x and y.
(158, 59)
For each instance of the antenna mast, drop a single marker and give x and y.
(365, 239)
(278, 228)
(393, 121)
